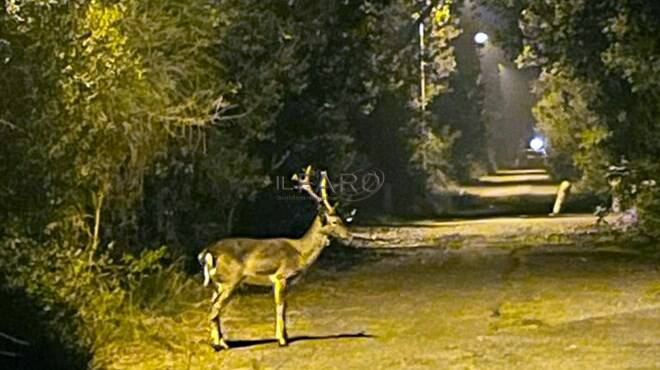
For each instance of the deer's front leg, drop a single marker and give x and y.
(218, 302)
(279, 290)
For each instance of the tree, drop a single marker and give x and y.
(461, 107)
(91, 110)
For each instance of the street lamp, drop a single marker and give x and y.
(481, 38)
(537, 144)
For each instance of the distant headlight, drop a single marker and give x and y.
(537, 144)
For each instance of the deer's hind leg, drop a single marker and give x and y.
(218, 302)
(279, 291)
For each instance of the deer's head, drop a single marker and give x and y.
(335, 226)
(332, 223)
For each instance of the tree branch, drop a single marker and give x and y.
(14, 339)
(10, 125)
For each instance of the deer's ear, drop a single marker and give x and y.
(324, 218)
(200, 258)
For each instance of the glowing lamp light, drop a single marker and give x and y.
(481, 38)
(537, 144)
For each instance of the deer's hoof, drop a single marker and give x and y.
(282, 342)
(219, 346)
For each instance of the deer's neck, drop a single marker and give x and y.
(313, 242)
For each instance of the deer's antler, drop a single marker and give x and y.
(305, 184)
(324, 193)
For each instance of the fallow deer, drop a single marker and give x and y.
(231, 262)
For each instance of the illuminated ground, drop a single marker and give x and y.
(546, 308)
(501, 231)
(512, 183)
(502, 293)
(506, 190)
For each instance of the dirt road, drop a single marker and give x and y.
(502, 293)
(546, 308)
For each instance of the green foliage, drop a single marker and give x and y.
(440, 58)
(89, 110)
(633, 45)
(166, 291)
(598, 86)
(393, 77)
(70, 281)
(642, 192)
(649, 205)
(577, 135)
(301, 83)
(461, 107)
(430, 155)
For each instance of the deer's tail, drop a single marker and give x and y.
(207, 262)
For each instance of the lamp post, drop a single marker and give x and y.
(422, 64)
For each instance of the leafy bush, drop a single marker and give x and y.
(84, 291)
(430, 155)
(577, 134)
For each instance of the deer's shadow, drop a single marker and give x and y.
(244, 343)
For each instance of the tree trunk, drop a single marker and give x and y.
(98, 205)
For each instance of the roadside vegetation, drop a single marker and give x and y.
(598, 89)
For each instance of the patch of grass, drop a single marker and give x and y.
(166, 292)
